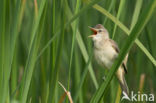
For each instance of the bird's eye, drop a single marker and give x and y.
(100, 30)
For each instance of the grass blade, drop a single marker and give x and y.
(33, 49)
(2, 42)
(75, 27)
(86, 58)
(83, 78)
(84, 53)
(9, 48)
(112, 3)
(136, 13)
(55, 71)
(121, 6)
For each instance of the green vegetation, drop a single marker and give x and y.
(44, 42)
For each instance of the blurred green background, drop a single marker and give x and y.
(43, 42)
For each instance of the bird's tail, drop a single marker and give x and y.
(124, 86)
(122, 81)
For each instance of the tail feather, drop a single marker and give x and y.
(122, 81)
(124, 86)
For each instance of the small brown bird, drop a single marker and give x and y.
(106, 51)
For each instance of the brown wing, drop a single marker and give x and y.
(125, 62)
(115, 46)
(125, 67)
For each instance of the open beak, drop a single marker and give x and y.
(94, 32)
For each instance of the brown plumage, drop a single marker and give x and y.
(106, 51)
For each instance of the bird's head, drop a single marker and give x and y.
(99, 33)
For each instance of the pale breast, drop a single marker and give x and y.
(105, 56)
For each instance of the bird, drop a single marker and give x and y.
(106, 52)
